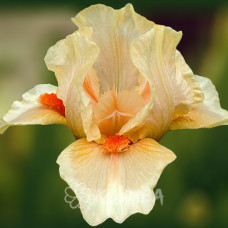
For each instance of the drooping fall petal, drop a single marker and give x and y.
(113, 185)
(208, 114)
(187, 91)
(30, 110)
(113, 32)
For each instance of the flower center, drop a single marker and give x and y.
(53, 102)
(116, 144)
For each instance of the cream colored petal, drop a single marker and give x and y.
(208, 114)
(113, 32)
(30, 111)
(154, 56)
(79, 115)
(61, 58)
(113, 185)
(188, 93)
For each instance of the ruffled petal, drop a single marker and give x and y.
(206, 115)
(31, 111)
(154, 56)
(188, 93)
(113, 32)
(61, 58)
(110, 185)
(81, 53)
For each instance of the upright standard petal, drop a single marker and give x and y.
(34, 110)
(206, 115)
(60, 59)
(154, 56)
(79, 113)
(113, 32)
(113, 185)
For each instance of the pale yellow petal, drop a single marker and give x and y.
(79, 114)
(207, 114)
(60, 59)
(154, 56)
(113, 32)
(30, 111)
(111, 185)
(188, 93)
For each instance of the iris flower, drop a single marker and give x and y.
(122, 84)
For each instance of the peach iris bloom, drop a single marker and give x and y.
(122, 85)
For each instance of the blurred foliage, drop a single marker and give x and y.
(195, 186)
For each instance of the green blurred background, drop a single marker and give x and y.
(195, 186)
